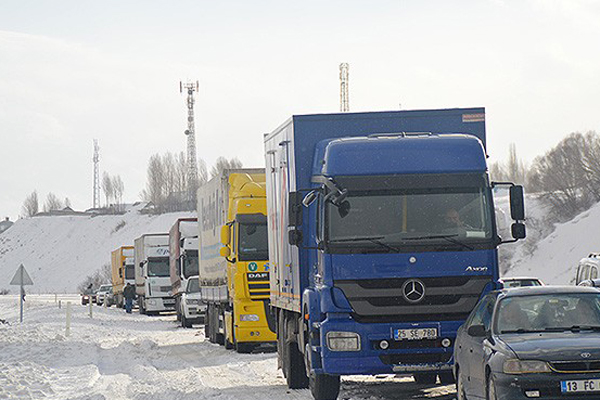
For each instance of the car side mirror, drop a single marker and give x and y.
(518, 230)
(477, 331)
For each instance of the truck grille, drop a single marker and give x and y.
(381, 300)
(575, 366)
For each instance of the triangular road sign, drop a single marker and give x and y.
(21, 277)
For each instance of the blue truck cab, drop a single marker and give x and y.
(382, 238)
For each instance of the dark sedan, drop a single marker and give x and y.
(531, 343)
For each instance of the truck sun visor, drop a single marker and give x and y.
(251, 218)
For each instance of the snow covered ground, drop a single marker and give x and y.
(59, 252)
(120, 356)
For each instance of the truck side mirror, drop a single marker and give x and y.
(295, 237)
(295, 209)
(518, 230)
(225, 252)
(225, 235)
(517, 203)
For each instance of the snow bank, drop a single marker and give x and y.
(60, 251)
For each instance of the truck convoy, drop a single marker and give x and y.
(183, 260)
(152, 281)
(234, 272)
(122, 272)
(382, 238)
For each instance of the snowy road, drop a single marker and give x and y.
(119, 356)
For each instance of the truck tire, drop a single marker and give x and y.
(324, 387)
(228, 345)
(211, 323)
(185, 322)
(295, 371)
(219, 337)
(178, 309)
(446, 378)
(244, 348)
(142, 306)
(427, 378)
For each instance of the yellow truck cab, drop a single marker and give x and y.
(234, 268)
(122, 272)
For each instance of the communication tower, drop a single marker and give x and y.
(190, 132)
(96, 160)
(344, 82)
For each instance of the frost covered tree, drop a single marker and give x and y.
(31, 205)
(222, 164)
(118, 190)
(53, 203)
(167, 182)
(107, 188)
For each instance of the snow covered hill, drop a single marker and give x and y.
(555, 258)
(60, 251)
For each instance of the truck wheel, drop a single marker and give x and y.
(178, 309)
(446, 378)
(295, 371)
(211, 323)
(425, 378)
(142, 306)
(228, 345)
(244, 348)
(184, 322)
(324, 387)
(219, 337)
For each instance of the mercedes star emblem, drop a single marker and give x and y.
(413, 290)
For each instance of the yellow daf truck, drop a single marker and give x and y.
(122, 272)
(233, 260)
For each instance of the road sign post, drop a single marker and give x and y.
(21, 279)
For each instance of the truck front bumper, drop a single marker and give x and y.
(157, 304)
(394, 356)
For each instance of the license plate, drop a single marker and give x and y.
(586, 385)
(416, 334)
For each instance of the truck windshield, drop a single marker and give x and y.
(129, 271)
(193, 286)
(158, 267)
(442, 216)
(253, 243)
(190, 263)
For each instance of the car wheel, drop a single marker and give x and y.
(491, 388)
(460, 386)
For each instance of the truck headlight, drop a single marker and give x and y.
(152, 302)
(249, 317)
(343, 341)
(515, 366)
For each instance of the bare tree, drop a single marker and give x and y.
(30, 205)
(107, 188)
(222, 164)
(67, 202)
(515, 168)
(118, 190)
(52, 203)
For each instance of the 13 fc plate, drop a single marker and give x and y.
(586, 385)
(416, 334)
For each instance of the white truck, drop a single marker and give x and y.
(183, 255)
(152, 281)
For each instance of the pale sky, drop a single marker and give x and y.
(72, 71)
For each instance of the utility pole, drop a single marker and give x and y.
(190, 132)
(344, 91)
(96, 160)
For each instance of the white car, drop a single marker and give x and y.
(104, 293)
(192, 309)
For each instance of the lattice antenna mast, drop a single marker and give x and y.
(96, 160)
(190, 132)
(344, 90)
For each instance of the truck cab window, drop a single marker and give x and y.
(158, 267)
(253, 243)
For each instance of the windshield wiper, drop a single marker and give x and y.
(521, 330)
(372, 239)
(574, 328)
(449, 238)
